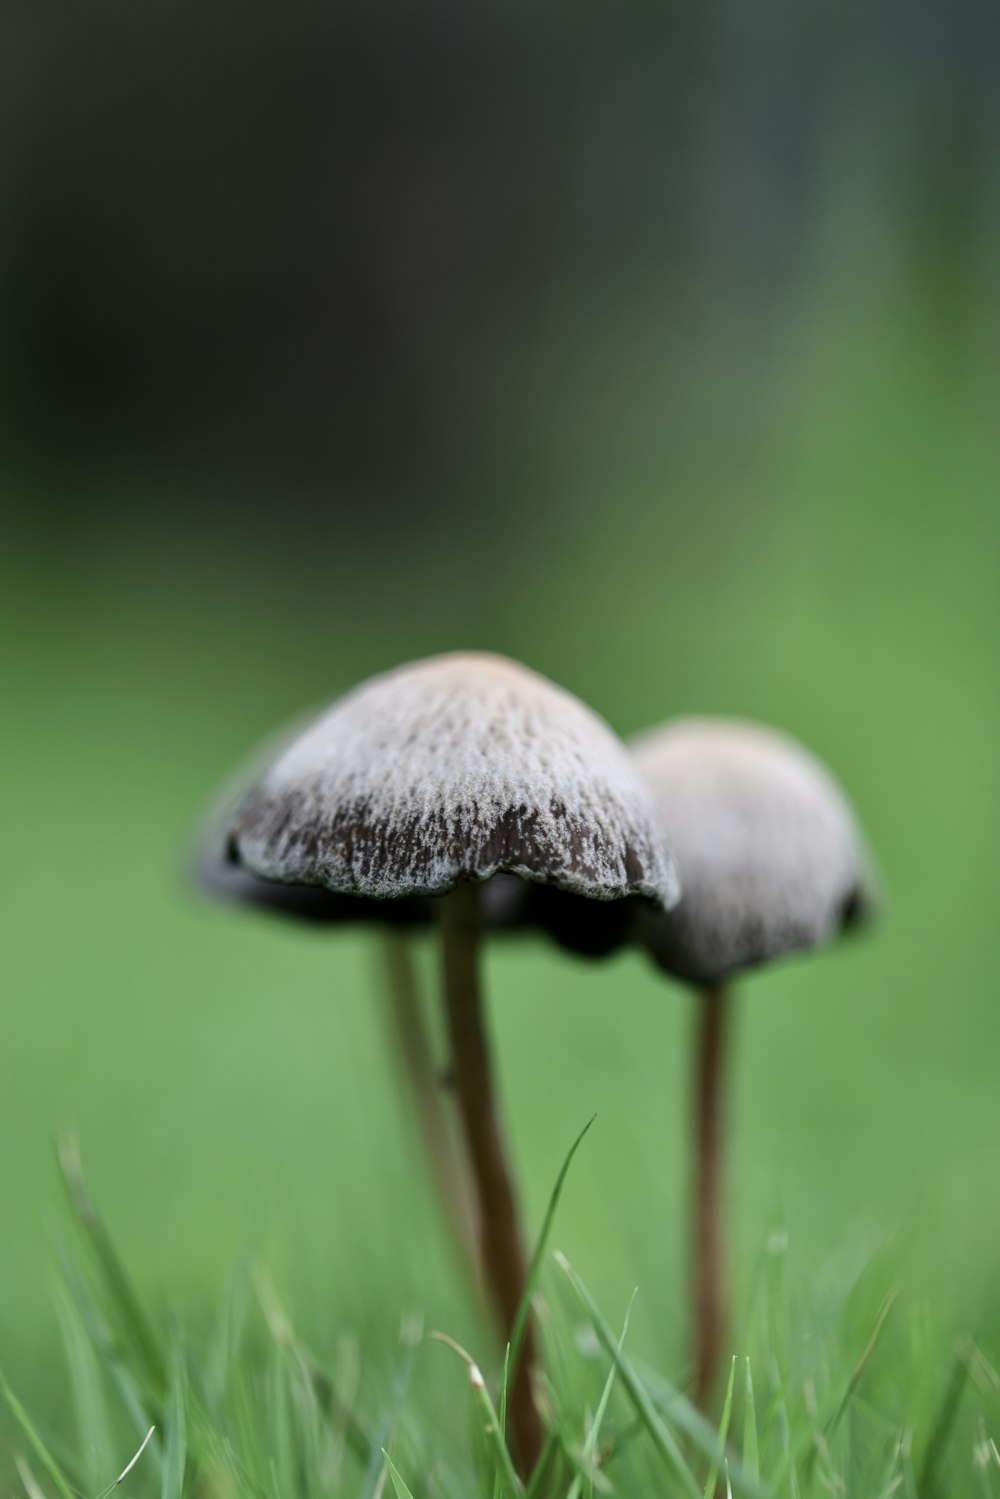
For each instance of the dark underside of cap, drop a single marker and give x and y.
(588, 929)
(680, 945)
(313, 904)
(356, 852)
(510, 906)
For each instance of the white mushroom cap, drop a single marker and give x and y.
(451, 769)
(216, 867)
(767, 847)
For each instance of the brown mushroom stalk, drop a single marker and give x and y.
(708, 1247)
(409, 1034)
(501, 1236)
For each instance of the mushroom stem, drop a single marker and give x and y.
(501, 1242)
(408, 1027)
(709, 1266)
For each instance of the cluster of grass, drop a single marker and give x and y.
(846, 1395)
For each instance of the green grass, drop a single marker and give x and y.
(842, 1393)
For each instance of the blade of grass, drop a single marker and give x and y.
(503, 1462)
(983, 1455)
(751, 1452)
(593, 1435)
(227, 1340)
(314, 1441)
(937, 1443)
(678, 1409)
(859, 1368)
(502, 1417)
(123, 1297)
(892, 1478)
(814, 1442)
(172, 1480)
(727, 1412)
(282, 1454)
(332, 1407)
(208, 1433)
(85, 1374)
(624, 1440)
(129, 1465)
(238, 1473)
(34, 1438)
(538, 1479)
(535, 1268)
(785, 1436)
(339, 1416)
(24, 1473)
(134, 1398)
(661, 1436)
(243, 1437)
(402, 1492)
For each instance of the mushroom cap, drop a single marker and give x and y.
(216, 868)
(767, 847)
(447, 770)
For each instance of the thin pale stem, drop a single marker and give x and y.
(501, 1240)
(408, 1027)
(709, 1211)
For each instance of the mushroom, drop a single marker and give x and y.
(772, 862)
(427, 781)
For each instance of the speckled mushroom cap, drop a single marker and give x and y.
(448, 770)
(314, 904)
(767, 847)
(216, 867)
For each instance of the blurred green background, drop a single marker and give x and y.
(740, 454)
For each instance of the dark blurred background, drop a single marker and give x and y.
(384, 259)
(655, 345)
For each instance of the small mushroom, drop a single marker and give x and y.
(426, 782)
(772, 862)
